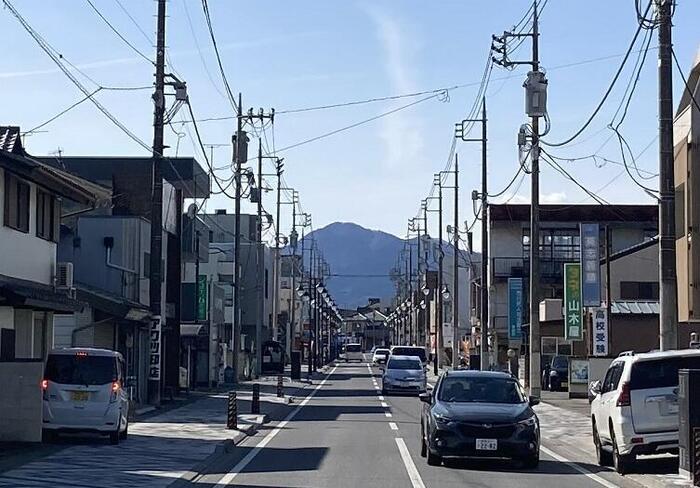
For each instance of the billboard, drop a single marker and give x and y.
(590, 265)
(515, 308)
(573, 316)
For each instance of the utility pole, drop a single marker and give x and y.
(438, 338)
(276, 270)
(668, 313)
(259, 289)
(155, 376)
(484, 315)
(292, 313)
(414, 339)
(455, 277)
(240, 144)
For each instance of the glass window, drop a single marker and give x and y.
(48, 218)
(549, 345)
(16, 214)
(81, 369)
(660, 373)
(410, 364)
(480, 390)
(607, 381)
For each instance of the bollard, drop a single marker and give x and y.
(255, 403)
(232, 417)
(280, 391)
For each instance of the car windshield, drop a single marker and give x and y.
(404, 364)
(419, 352)
(382, 352)
(353, 348)
(660, 373)
(480, 390)
(560, 362)
(80, 369)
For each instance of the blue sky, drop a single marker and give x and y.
(305, 53)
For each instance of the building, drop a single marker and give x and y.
(111, 252)
(634, 274)
(34, 284)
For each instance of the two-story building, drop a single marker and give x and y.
(34, 284)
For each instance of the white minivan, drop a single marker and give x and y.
(83, 391)
(353, 352)
(634, 409)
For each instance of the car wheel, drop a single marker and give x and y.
(602, 456)
(125, 434)
(531, 462)
(434, 459)
(423, 444)
(621, 462)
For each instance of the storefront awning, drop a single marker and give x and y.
(30, 294)
(193, 330)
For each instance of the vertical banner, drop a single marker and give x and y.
(202, 298)
(600, 331)
(573, 326)
(590, 265)
(515, 308)
(154, 361)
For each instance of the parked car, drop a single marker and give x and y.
(479, 414)
(559, 373)
(83, 391)
(380, 356)
(410, 351)
(353, 352)
(635, 407)
(404, 374)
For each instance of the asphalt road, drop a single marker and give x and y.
(345, 434)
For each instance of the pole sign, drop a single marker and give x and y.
(600, 331)
(572, 302)
(515, 308)
(154, 356)
(202, 297)
(590, 264)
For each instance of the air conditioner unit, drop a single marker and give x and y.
(64, 275)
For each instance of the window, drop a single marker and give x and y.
(639, 290)
(48, 215)
(555, 244)
(16, 203)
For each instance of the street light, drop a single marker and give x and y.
(445, 293)
(425, 290)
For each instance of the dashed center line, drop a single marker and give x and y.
(385, 405)
(393, 426)
(381, 398)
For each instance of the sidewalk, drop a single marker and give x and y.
(162, 446)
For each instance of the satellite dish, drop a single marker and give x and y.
(192, 210)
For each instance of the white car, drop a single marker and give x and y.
(634, 409)
(353, 352)
(83, 391)
(380, 356)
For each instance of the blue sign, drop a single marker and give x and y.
(515, 308)
(590, 265)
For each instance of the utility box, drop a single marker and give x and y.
(686, 136)
(689, 424)
(296, 365)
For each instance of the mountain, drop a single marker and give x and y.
(361, 257)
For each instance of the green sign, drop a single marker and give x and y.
(202, 289)
(573, 326)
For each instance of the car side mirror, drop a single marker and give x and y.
(426, 398)
(595, 387)
(533, 401)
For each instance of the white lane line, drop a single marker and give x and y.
(381, 398)
(228, 477)
(411, 469)
(393, 426)
(385, 405)
(376, 387)
(387, 414)
(578, 468)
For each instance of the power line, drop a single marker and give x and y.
(607, 92)
(229, 93)
(114, 29)
(63, 112)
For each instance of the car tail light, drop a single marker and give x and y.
(115, 390)
(624, 400)
(44, 384)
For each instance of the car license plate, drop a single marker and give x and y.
(486, 444)
(79, 396)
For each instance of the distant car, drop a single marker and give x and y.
(559, 373)
(479, 414)
(635, 408)
(404, 374)
(83, 391)
(410, 351)
(353, 352)
(380, 356)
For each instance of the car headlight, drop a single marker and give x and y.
(553, 373)
(528, 422)
(441, 420)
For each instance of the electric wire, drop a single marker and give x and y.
(119, 34)
(229, 93)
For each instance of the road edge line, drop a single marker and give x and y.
(580, 469)
(411, 469)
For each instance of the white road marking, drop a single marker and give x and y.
(376, 387)
(387, 414)
(228, 477)
(411, 469)
(385, 405)
(381, 398)
(578, 468)
(393, 426)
